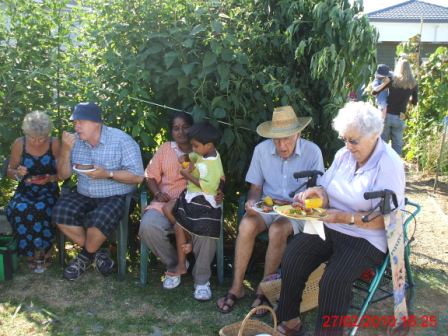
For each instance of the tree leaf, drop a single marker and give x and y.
(228, 137)
(169, 58)
(153, 49)
(188, 68)
(219, 113)
(209, 59)
(197, 29)
(217, 26)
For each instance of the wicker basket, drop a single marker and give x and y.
(271, 289)
(249, 327)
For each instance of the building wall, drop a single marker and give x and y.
(402, 31)
(386, 51)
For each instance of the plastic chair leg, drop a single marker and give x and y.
(122, 237)
(144, 255)
(220, 256)
(61, 249)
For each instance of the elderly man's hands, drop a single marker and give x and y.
(68, 140)
(248, 206)
(98, 173)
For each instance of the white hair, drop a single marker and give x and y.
(37, 123)
(359, 116)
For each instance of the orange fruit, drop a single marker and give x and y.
(312, 203)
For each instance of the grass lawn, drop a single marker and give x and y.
(45, 304)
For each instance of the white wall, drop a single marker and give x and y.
(402, 31)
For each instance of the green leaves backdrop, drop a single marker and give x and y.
(229, 61)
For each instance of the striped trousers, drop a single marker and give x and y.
(347, 258)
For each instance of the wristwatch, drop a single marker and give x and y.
(111, 174)
(352, 220)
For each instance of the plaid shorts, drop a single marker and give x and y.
(79, 210)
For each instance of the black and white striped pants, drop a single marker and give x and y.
(347, 258)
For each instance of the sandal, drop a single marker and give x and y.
(262, 301)
(31, 264)
(227, 306)
(286, 331)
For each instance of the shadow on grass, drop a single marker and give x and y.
(45, 304)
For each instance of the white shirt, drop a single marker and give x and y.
(346, 186)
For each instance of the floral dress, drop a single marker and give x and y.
(29, 210)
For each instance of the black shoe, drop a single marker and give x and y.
(103, 262)
(77, 267)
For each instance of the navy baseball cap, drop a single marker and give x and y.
(87, 111)
(383, 70)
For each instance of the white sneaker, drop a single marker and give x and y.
(171, 281)
(202, 292)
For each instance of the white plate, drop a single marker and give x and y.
(83, 170)
(258, 207)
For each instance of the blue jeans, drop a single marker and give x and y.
(393, 130)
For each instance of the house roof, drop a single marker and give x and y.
(411, 11)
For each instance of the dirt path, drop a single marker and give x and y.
(430, 247)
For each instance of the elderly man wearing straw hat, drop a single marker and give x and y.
(271, 174)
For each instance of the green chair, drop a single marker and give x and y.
(4, 168)
(145, 251)
(121, 236)
(380, 286)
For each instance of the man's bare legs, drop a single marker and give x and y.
(279, 231)
(250, 227)
(90, 239)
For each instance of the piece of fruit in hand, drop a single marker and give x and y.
(312, 203)
(185, 165)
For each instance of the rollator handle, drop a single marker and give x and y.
(387, 204)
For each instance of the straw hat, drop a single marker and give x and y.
(284, 123)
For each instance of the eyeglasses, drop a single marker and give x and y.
(353, 142)
(37, 138)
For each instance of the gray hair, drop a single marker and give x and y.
(37, 123)
(360, 116)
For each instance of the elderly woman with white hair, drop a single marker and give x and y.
(351, 246)
(33, 164)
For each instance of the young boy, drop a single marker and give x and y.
(379, 86)
(196, 211)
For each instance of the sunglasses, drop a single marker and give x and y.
(350, 141)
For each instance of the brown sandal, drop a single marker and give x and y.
(229, 306)
(262, 301)
(286, 331)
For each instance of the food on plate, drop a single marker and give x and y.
(268, 201)
(267, 204)
(297, 210)
(281, 202)
(37, 178)
(83, 166)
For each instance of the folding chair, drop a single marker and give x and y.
(145, 251)
(121, 236)
(379, 287)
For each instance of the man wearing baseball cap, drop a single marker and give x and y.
(108, 165)
(271, 174)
